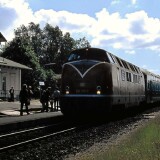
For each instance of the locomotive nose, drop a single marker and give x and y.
(83, 77)
(83, 67)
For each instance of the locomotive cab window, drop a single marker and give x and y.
(88, 54)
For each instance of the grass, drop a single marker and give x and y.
(143, 144)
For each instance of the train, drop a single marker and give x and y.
(97, 81)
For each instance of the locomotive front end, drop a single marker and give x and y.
(86, 82)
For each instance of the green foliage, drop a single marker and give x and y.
(36, 47)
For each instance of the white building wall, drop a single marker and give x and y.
(9, 77)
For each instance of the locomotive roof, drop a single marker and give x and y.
(122, 62)
(90, 48)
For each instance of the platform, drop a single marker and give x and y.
(10, 118)
(13, 108)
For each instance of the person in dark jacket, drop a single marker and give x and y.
(24, 99)
(56, 98)
(48, 94)
(43, 100)
(11, 92)
(30, 92)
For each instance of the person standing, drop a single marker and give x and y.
(11, 92)
(30, 92)
(43, 100)
(24, 98)
(48, 94)
(51, 102)
(56, 98)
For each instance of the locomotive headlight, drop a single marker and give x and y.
(98, 89)
(67, 89)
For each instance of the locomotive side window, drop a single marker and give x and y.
(123, 75)
(139, 79)
(125, 64)
(132, 68)
(135, 78)
(128, 76)
(110, 58)
(119, 62)
(136, 69)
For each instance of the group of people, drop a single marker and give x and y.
(47, 96)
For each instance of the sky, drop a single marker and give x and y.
(130, 29)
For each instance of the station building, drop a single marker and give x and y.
(10, 75)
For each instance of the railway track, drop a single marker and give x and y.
(24, 137)
(65, 141)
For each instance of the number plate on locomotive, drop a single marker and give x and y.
(82, 91)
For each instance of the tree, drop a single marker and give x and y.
(52, 38)
(81, 43)
(36, 47)
(22, 50)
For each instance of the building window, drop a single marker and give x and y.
(4, 84)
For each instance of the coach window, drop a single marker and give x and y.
(148, 85)
(156, 87)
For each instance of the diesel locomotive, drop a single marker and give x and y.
(96, 81)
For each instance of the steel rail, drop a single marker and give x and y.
(27, 130)
(35, 139)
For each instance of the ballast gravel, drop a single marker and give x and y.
(74, 145)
